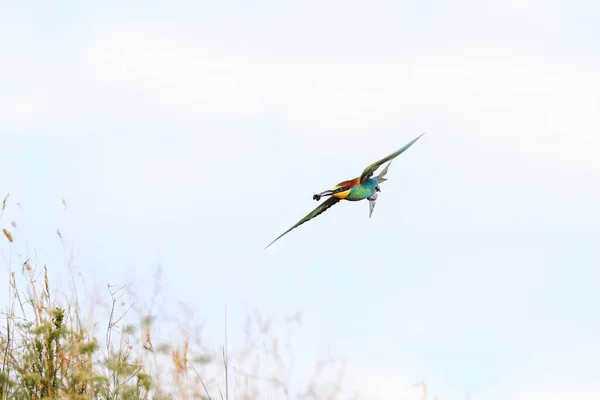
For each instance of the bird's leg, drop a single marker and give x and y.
(318, 196)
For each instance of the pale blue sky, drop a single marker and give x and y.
(191, 134)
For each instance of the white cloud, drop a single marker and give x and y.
(174, 73)
(466, 88)
(120, 74)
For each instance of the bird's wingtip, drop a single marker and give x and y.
(269, 245)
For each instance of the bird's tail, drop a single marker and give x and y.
(380, 177)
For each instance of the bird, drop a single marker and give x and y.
(363, 187)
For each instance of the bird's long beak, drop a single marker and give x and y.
(318, 196)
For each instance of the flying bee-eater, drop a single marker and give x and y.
(364, 187)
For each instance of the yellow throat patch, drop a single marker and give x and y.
(342, 195)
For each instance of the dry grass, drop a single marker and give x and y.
(49, 351)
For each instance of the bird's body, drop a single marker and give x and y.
(358, 191)
(363, 187)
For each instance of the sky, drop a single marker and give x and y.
(188, 135)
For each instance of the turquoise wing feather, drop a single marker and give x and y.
(320, 209)
(368, 172)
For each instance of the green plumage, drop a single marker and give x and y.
(362, 190)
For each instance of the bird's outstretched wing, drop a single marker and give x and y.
(368, 172)
(321, 208)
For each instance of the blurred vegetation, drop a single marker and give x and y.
(49, 351)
